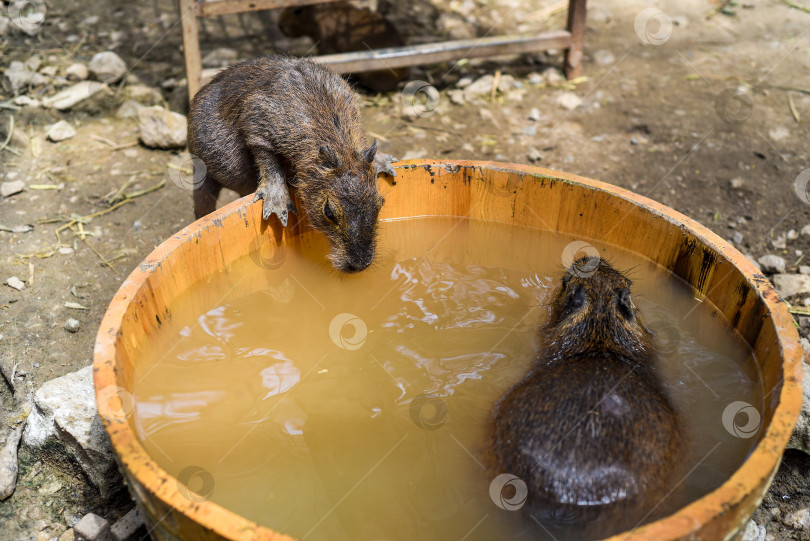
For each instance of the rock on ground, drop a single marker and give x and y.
(15, 283)
(772, 264)
(161, 128)
(129, 109)
(107, 67)
(92, 528)
(8, 463)
(65, 414)
(568, 100)
(800, 439)
(61, 131)
(219, 58)
(72, 95)
(77, 72)
(11, 187)
(19, 76)
(788, 285)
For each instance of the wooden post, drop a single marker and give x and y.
(191, 45)
(576, 26)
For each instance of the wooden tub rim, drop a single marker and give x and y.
(763, 460)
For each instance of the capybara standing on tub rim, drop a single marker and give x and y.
(276, 122)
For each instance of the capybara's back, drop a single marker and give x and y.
(590, 429)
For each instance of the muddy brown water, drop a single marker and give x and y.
(355, 407)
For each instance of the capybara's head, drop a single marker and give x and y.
(342, 200)
(594, 311)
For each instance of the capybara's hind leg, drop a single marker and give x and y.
(205, 197)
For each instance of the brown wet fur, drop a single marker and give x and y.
(283, 117)
(591, 423)
(340, 28)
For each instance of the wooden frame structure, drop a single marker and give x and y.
(572, 40)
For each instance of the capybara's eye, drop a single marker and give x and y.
(328, 212)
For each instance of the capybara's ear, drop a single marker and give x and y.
(625, 304)
(329, 158)
(370, 152)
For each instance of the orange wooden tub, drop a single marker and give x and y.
(521, 195)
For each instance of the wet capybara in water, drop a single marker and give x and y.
(590, 429)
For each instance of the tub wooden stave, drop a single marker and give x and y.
(521, 195)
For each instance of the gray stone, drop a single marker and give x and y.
(752, 532)
(72, 95)
(552, 76)
(92, 528)
(772, 264)
(77, 72)
(72, 325)
(792, 234)
(65, 415)
(107, 67)
(534, 155)
(456, 96)
(464, 81)
(804, 269)
(482, 85)
(33, 62)
(805, 232)
(15, 283)
(19, 76)
(454, 26)
(506, 83)
(535, 78)
(799, 519)
(788, 285)
(61, 131)
(737, 183)
(800, 439)
(4, 22)
(534, 114)
(145, 95)
(529, 130)
(129, 109)
(129, 527)
(11, 187)
(568, 100)
(604, 57)
(8, 463)
(160, 128)
(219, 58)
(737, 237)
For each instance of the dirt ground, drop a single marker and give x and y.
(710, 116)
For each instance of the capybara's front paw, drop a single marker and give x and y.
(275, 200)
(383, 163)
